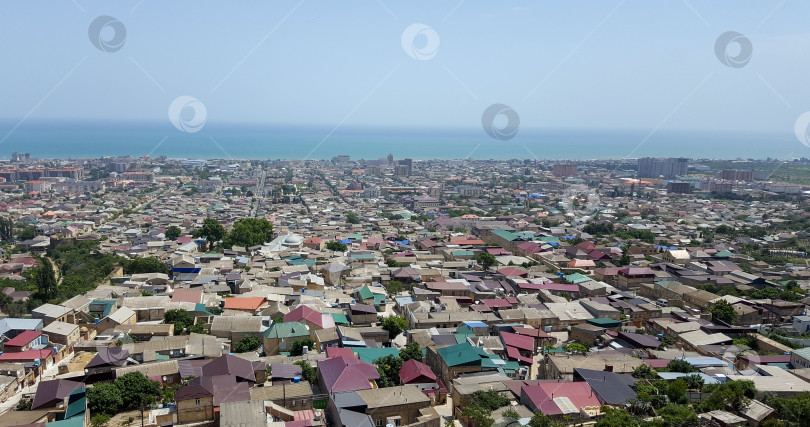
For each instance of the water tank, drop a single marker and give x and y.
(296, 380)
(305, 350)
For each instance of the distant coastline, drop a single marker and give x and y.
(91, 140)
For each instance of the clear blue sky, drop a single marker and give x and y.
(633, 69)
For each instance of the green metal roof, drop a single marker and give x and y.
(605, 323)
(462, 253)
(77, 403)
(286, 330)
(340, 318)
(365, 292)
(362, 256)
(504, 234)
(577, 278)
(463, 354)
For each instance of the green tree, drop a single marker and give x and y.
(395, 325)
(793, 411)
(45, 279)
(616, 418)
(393, 287)
(24, 405)
(388, 367)
(141, 265)
(352, 218)
(489, 399)
(136, 390)
(486, 259)
(307, 371)
(181, 320)
(411, 351)
(511, 413)
(247, 344)
(336, 246)
(480, 416)
(680, 365)
(540, 419)
(249, 232)
(728, 396)
(104, 398)
(27, 233)
(173, 232)
(722, 310)
(676, 392)
(693, 381)
(212, 231)
(644, 371)
(576, 348)
(297, 348)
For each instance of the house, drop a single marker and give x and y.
(399, 405)
(362, 314)
(307, 315)
(107, 359)
(250, 305)
(346, 374)
(609, 387)
(561, 399)
(51, 313)
(62, 333)
(451, 361)
(242, 369)
(122, 316)
(236, 327)
(25, 341)
(279, 337)
(200, 399)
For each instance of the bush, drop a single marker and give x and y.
(100, 420)
(297, 348)
(247, 343)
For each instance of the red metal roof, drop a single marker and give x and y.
(414, 370)
(579, 393)
(523, 342)
(23, 339)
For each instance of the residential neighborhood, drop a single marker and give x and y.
(342, 292)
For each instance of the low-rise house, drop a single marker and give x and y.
(279, 337)
(49, 313)
(63, 333)
(235, 328)
(342, 373)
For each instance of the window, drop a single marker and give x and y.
(379, 421)
(303, 402)
(293, 403)
(197, 402)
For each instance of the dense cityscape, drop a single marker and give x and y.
(352, 292)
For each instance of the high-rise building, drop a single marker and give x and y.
(20, 157)
(408, 163)
(562, 170)
(652, 167)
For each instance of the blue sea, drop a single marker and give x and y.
(83, 140)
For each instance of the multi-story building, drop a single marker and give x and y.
(737, 175)
(138, 176)
(562, 170)
(678, 187)
(651, 167)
